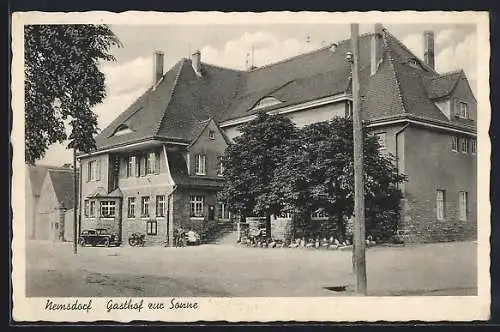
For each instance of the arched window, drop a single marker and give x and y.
(266, 102)
(122, 129)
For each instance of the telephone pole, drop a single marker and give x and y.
(75, 204)
(359, 244)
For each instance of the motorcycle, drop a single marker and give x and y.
(136, 240)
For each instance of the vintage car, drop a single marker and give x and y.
(98, 237)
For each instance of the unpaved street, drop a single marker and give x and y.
(228, 270)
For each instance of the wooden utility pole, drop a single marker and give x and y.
(359, 186)
(75, 204)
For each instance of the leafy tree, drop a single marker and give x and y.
(62, 84)
(249, 164)
(317, 172)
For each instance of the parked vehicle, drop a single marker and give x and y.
(98, 237)
(137, 240)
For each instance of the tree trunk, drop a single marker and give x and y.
(340, 227)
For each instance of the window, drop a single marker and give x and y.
(220, 166)
(160, 206)
(381, 138)
(152, 227)
(92, 209)
(463, 204)
(223, 212)
(199, 164)
(440, 204)
(464, 145)
(107, 209)
(454, 143)
(145, 206)
(150, 163)
(93, 170)
(266, 102)
(463, 110)
(86, 208)
(131, 166)
(196, 203)
(473, 146)
(131, 207)
(211, 134)
(319, 214)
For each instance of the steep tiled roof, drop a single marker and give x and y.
(181, 103)
(62, 181)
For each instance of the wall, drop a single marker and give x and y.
(303, 117)
(90, 186)
(211, 148)
(430, 165)
(463, 92)
(46, 213)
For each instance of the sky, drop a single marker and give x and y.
(231, 45)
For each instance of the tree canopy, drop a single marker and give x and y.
(62, 84)
(275, 167)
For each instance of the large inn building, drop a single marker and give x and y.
(156, 166)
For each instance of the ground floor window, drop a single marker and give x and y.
(131, 207)
(160, 205)
(108, 209)
(222, 211)
(440, 204)
(145, 206)
(463, 198)
(92, 209)
(196, 203)
(152, 227)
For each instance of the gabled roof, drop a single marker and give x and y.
(36, 176)
(177, 108)
(62, 182)
(181, 177)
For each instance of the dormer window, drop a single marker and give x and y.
(266, 102)
(414, 63)
(122, 130)
(463, 110)
(211, 134)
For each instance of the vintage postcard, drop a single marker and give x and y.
(250, 167)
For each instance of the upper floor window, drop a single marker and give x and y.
(200, 164)
(160, 206)
(454, 143)
(464, 146)
(473, 146)
(381, 138)
(211, 134)
(94, 170)
(152, 163)
(131, 166)
(220, 166)
(108, 209)
(463, 110)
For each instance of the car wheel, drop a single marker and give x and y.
(106, 243)
(82, 242)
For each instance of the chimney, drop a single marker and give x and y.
(429, 49)
(196, 62)
(377, 48)
(157, 66)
